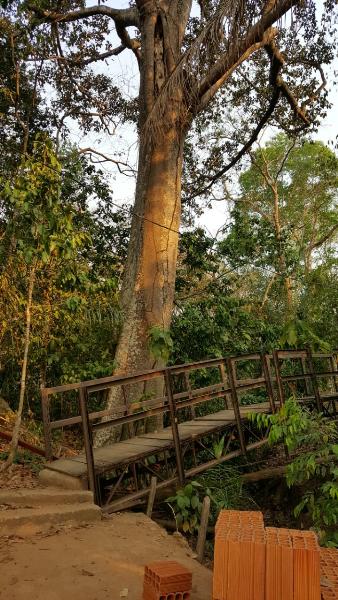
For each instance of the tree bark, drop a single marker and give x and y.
(16, 430)
(148, 289)
(147, 295)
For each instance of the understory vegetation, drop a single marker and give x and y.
(311, 471)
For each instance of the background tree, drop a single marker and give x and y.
(39, 227)
(215, 314)
(285, 223)
(231, 292)
(58, 303)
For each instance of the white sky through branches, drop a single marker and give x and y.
(123, 70)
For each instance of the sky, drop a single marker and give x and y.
(125, 72)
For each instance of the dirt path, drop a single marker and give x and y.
(93, 563)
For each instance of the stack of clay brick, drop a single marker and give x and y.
(253, 562)
(167, 580)
(239, 559)
(329, 573)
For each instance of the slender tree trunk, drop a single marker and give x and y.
(16, 430)
(149, 285)
(282, 261)
(267, 291)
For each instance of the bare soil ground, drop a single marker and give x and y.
(18, 477)
(99, 562)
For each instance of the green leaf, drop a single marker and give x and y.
(186, 526)
(194, 502)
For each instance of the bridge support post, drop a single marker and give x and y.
(279, 383)
(333, 364)
(88, 442)
(45, 401)
(319, 402)
(306, 379)
(268, 384)
(225, 384)
(235, 403)
(174, 427)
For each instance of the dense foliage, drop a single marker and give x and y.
(312, 442)
(271, 278)
(47, 225)
(231, 295)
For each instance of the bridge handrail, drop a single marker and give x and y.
(229, 386)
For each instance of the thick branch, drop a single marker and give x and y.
(182, 12)
(103, 56)
(321, 86)
(218, 84)
(127, 41)
(80, 62)
(239, 47)
(267, 291)
(325, 237)
(128, 17)
(275, 54)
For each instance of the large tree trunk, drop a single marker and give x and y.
(149, 285)
(148, 290)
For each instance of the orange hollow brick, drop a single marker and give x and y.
(328, 594)
(166, 580)
(279, 564)
(151, 594)
(238, 518)
(239, 559)
(329, 573)
(306, 565)
(220, 565)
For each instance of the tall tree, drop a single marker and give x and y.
(285, 215)
(40, 227)
(184, 62)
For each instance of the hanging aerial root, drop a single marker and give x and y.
(234, 28)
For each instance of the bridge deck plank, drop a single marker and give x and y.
(144, 445)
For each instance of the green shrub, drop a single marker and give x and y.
(314, 440)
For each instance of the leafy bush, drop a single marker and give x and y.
(187, 507)
(222, 484)
(160, 343)
(316, 464)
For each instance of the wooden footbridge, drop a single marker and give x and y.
(189, 407)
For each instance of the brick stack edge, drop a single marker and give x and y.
(167, 580)
(252, 562)
(329, 573)
(306, 565)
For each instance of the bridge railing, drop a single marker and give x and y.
(177, 392)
